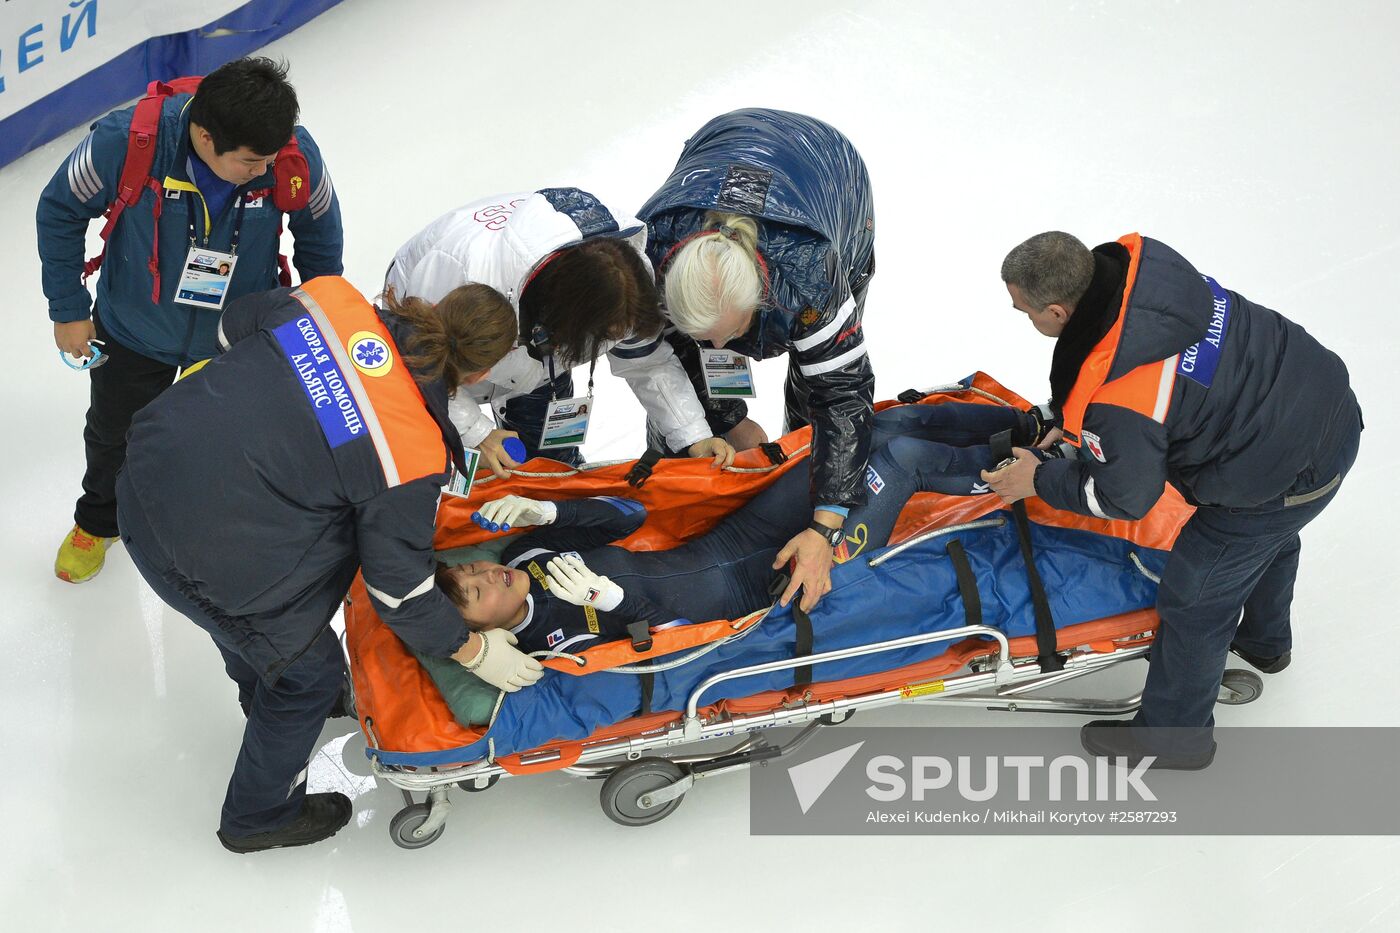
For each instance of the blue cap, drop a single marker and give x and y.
(515, 449)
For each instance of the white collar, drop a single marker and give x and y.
(529, 615)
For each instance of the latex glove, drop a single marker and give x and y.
(572, 581)
(72, 338)
(500, 663)
(493, 453)
(514, 512)
(716, 447)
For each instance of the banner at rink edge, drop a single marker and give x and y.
(63, 63)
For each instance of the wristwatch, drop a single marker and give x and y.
(832, 535)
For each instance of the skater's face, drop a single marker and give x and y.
(490, 595)
(1049, 320)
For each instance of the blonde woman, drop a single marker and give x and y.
(763, 240)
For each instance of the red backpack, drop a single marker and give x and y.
(289, 192)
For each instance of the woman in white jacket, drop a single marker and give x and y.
(577, 275)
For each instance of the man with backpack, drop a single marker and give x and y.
(195, 181)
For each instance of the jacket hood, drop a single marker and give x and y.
(772, 164)
(1168, 309)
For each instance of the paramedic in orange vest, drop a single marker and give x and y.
(1163, 375)
(212, 198)
(317, 444)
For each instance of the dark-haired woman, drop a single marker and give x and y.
(577, 275)
(317, 444)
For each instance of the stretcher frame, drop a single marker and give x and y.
(995, 680)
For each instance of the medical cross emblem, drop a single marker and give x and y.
(370, 353)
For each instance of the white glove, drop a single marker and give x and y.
(501, 664)
(572, 581)
(515, 512)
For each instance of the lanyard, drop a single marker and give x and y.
(237, 220)
(553, 392)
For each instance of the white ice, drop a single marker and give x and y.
(1259, 139)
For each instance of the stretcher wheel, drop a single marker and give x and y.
(406, 822)
(1238, 687)
(624, 789)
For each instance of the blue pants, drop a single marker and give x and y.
(1227, 561)
(525, 416)
(726, 572)
(284, 717)
(926, 448)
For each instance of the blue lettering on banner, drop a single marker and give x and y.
(1199, 362)
(31, 53)
(30, 44)
(322, 380)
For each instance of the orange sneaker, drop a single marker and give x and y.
(81, 556)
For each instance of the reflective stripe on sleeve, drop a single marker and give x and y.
(1093, 500)
(829, 330)
(82, 177)
(826, 366)
(425, 587)
(1164, 389)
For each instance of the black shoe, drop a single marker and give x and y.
(1267, 665)
(322, 816)
(1039, 421)
(1116, 738)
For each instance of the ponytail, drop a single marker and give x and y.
(716, 272)
(470, 330)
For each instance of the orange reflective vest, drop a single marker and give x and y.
(369, 391)
(1146, 390)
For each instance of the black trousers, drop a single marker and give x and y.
(120, 387)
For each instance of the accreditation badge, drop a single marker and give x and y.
(460, 483)
(727, 374)
(566, 422)
(205, 277)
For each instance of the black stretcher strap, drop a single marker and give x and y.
(802, 623)
(641, 470)
(910, 396)
(774, 451)
(967, 582)
(648, 683)
(801, 676)
(1045, 638)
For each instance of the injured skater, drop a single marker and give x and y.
(564, 586)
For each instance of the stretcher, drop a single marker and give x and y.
(943, 615)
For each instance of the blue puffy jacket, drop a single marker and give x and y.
(808, 187)
(176, 334)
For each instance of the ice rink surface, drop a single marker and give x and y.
(1258, 139)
